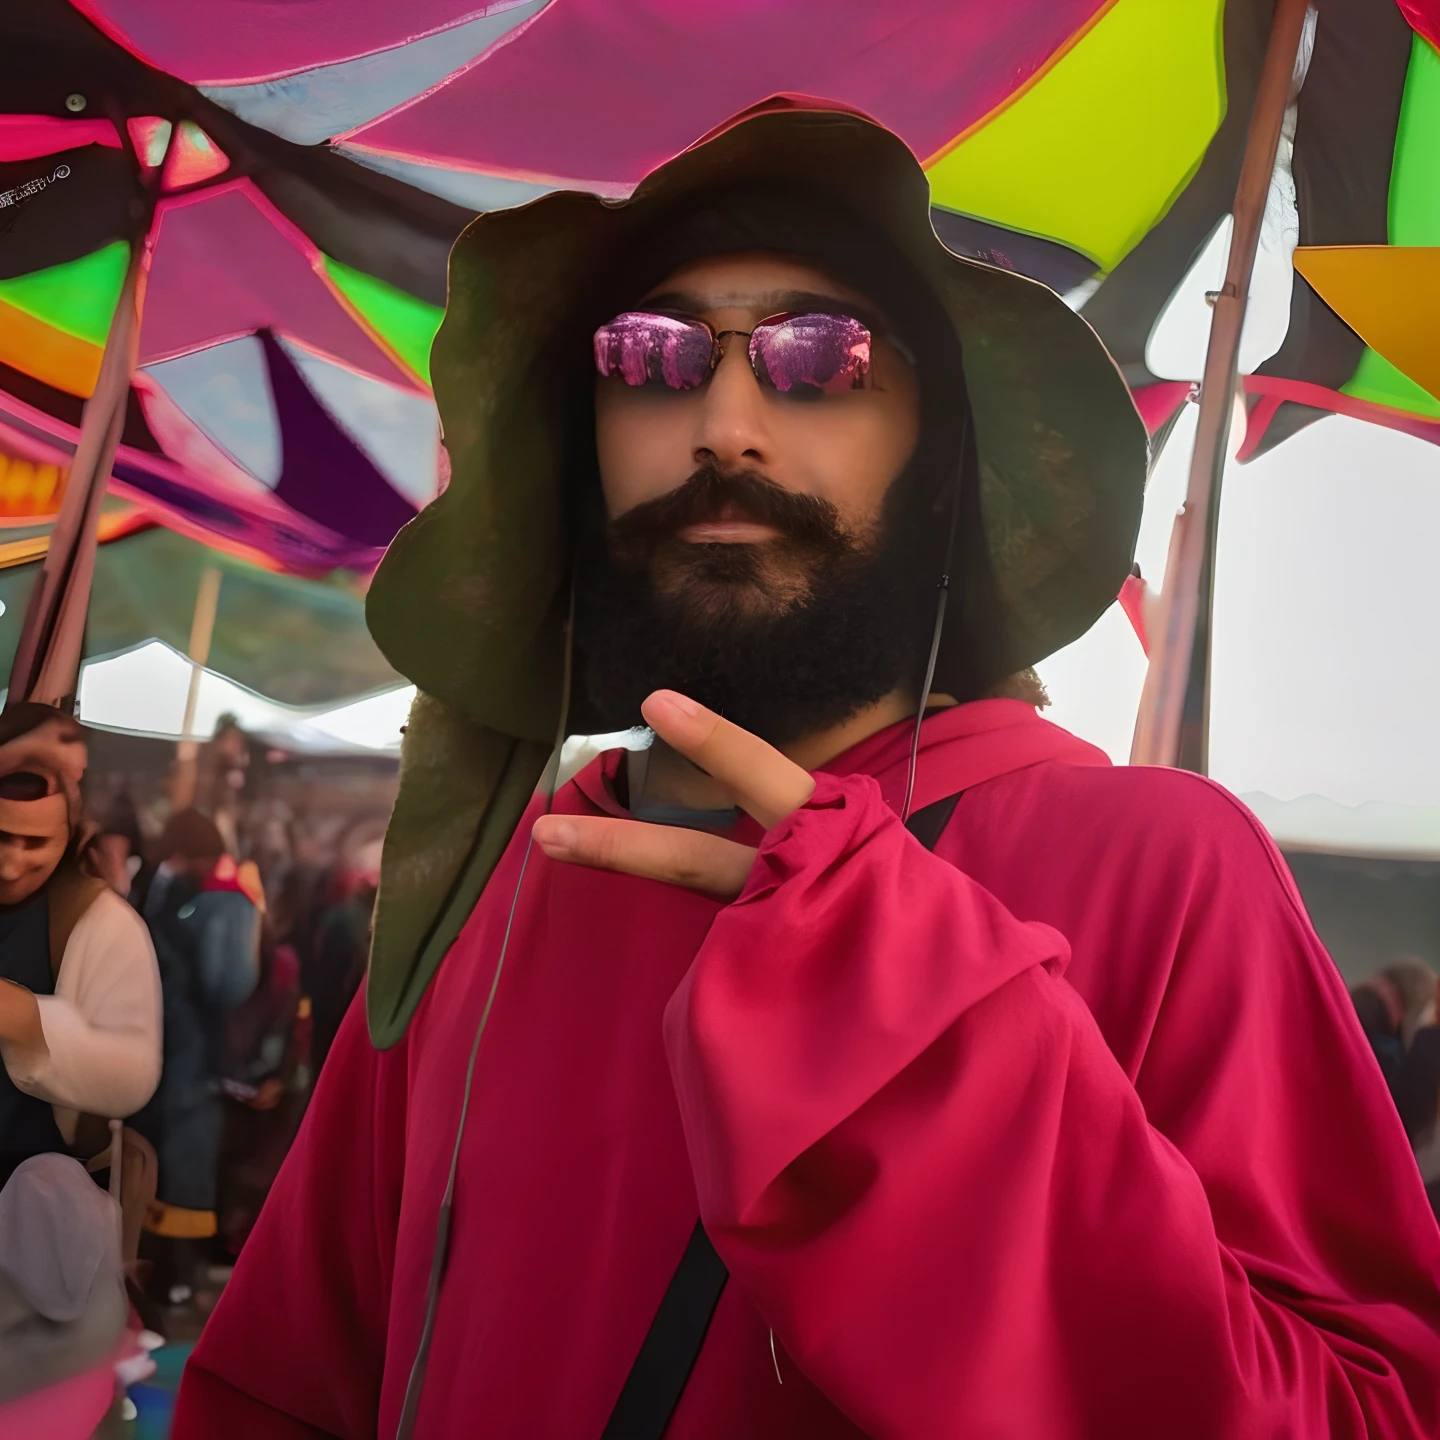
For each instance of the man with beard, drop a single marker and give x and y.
(865, 1056)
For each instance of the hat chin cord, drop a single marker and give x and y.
(943, 596)
(440, 1255)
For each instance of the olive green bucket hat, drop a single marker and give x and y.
(470, 602)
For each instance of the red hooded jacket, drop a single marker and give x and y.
(1067, 1129)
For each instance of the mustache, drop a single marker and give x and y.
(807, 521)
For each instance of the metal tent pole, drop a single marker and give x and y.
(47, 656)
(1173, 723)
(46, 667)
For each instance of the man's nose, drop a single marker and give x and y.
(732, 428)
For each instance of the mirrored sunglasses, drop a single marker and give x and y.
(808, 354)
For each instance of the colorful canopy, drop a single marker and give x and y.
(1092, 145)
(281, 407)
(320, 157)
(1371, 179)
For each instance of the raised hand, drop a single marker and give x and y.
(757, 777)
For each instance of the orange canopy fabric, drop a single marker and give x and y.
(1389, 295)
(47, 353)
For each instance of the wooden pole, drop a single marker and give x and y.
(1173, 723)
(202, 630)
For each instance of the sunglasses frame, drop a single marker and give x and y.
(718, 349)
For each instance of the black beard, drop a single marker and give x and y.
(785, 638)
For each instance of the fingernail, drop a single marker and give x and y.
(554, 836)
(674, 700)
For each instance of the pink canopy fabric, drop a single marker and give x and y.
(1268, 391)
(27, 137)
(645, 79)
(227, 263)
(1424, 18)
(1157, 403)
(237, 42)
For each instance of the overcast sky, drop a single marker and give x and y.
(1327, 671)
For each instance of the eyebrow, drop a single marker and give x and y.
(774, 302)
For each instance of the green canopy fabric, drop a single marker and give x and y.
(302, 642)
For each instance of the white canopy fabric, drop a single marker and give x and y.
(143, 691)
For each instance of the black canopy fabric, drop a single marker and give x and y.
(65, 206)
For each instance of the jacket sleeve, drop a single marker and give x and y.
(102, 1024)
(295, 1349)
(916, 1153)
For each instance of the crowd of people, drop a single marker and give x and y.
(1397, 1010)
(260, 923)
(178, 964)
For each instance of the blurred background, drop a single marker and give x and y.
(287, 181)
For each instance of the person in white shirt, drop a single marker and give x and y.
(80, 1004)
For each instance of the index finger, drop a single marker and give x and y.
(763, 782)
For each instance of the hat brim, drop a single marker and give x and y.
(468, 601)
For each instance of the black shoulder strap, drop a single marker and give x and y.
(928, 825)
(652, 1389)
(657, 1379)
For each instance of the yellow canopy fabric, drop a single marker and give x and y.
(1093, 153)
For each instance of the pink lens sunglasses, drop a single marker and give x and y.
(811, 354)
